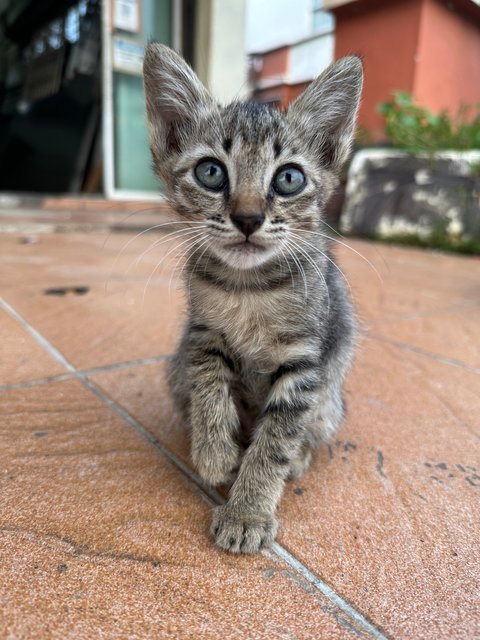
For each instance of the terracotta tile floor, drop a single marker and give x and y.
(103, 524)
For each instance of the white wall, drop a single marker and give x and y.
(308, 59)
(228, 58)
(272, 23)
(220, 48)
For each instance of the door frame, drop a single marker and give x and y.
(111, 192)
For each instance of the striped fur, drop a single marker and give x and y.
(269, 338)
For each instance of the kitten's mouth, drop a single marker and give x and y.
(245, 246)
(245, 254)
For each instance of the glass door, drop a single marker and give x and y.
(127, 26)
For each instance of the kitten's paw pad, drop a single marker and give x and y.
(243, 532)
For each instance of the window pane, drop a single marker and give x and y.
(323, 21)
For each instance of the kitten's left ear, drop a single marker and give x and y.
(327, 109)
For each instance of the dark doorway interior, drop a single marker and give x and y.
(50, 96)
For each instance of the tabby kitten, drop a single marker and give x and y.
(259, 370)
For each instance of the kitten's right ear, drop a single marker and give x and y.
(328, 110)
(175, 99)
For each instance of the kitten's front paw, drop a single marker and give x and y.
(215, 466)
(243, 532)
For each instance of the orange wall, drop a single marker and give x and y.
(448, 71)
(385, 34)
(421, 46)
(275, 62)
(293, 91)
(274, 66)
(284, 93)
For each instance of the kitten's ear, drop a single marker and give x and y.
(327, 109)
(175, 99)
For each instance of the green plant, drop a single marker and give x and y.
(434, 241)
(417, 130)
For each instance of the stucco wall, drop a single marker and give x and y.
(426, 47)
(385, 34)
(448, 67)
(275, 63)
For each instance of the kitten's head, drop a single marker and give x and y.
(252, 178)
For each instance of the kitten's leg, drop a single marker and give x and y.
(213, 415)
(326, 417)
(300, 464)
(247, 522)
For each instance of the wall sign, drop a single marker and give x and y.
(127, 55)
(127, 15)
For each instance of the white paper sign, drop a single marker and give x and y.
(127, 55)
(126, 15)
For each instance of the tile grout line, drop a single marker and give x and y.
(442, 312)
(428, 354)
(328, 592)
(125, 364)
(212, 494)
(83, 377)
(37, 382)
(115, 366)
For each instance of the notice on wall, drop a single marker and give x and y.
(127, 55)
(127, 15)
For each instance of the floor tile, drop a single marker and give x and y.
(108, 259)
(93, 330)
(408, 283)
(51, 589)
(21, 358)
(114, 538)
(428, 300)
(388, 513)
(101, 537)
(143, 392)
(83, 285)
(454, 335)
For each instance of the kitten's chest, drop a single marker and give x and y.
(250, 322)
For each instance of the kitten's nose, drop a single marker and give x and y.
(248, 223)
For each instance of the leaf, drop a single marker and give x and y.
(416, 129)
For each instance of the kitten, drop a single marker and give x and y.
(269, 338)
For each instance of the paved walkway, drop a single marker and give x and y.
(103, 524)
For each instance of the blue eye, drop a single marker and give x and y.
(288, 181)
(211, 175)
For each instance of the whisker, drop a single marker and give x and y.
(129, 242)
(195, 239)
(134, 263)
(157, 226)
(316, 268)
(288, 265)
(344, 244)
(129, 215)
(160, 263)
(197, 261)
(332, 228)
(300, 239)
(179, 233)
(191, 249)
(301, 271)
(175, 267)
(340, 235)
